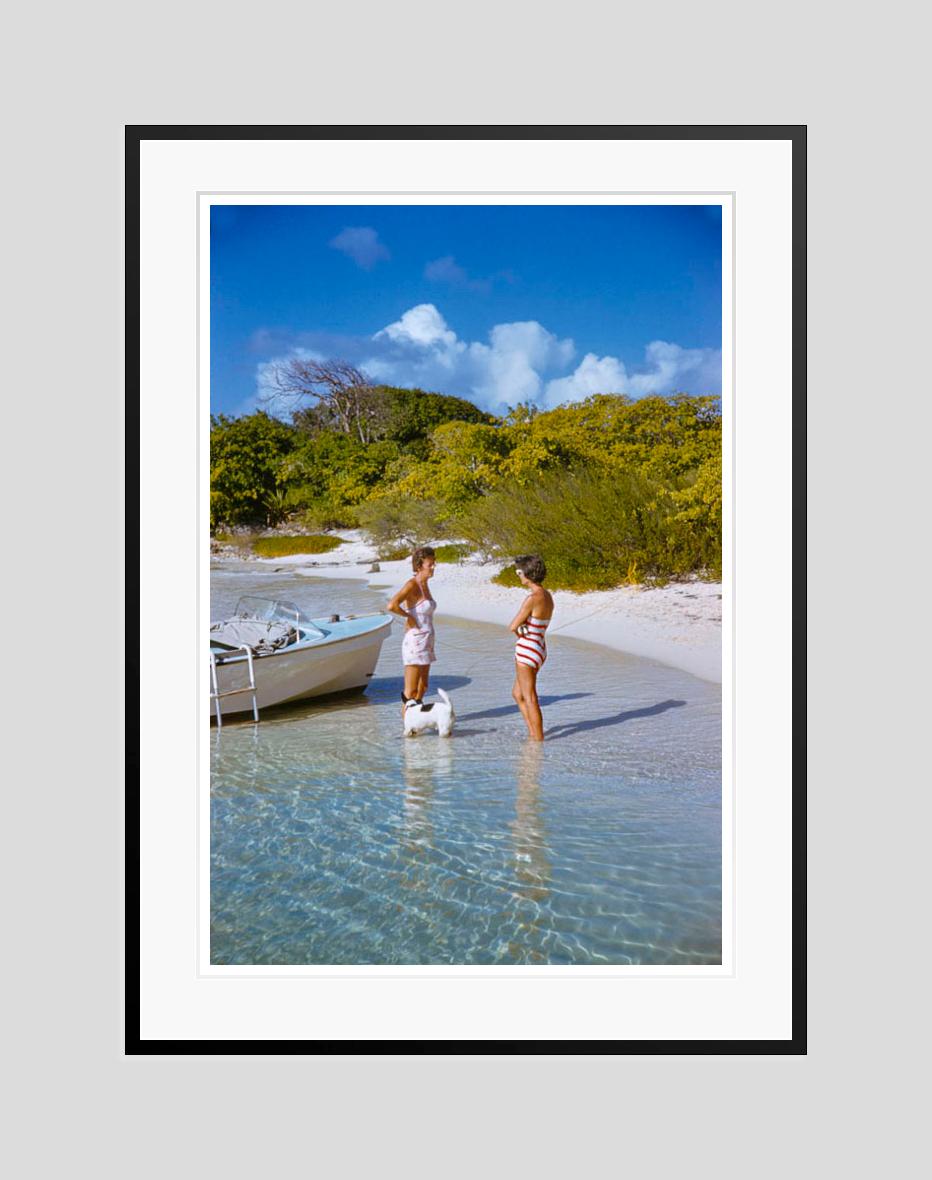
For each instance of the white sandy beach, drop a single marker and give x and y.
(679, 624)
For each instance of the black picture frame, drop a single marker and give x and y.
(135, 136)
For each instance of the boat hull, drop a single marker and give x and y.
(301, 672)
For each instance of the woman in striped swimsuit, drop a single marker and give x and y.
(530, 626)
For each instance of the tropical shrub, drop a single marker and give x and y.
(245, 456)
(609, 489)
(465, 460)
(398, 519)
(325, 513)
(594, 529)
(413, 415)
(452, 553)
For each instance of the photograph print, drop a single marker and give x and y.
(466, 584)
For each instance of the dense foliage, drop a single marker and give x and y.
(607, 490)
(246, 455)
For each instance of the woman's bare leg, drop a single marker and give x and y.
(527, 684)
(423, 679)
(525, 694)
(412, 681)
(518, 695)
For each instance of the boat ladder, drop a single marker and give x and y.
(217, 696)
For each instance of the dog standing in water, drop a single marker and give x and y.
(439, 715)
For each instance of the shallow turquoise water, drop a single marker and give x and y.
(336, 841)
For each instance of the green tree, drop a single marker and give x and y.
(245, 459)
(464, 461)
(413, 415)
(336, 466)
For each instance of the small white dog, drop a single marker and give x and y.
(437, 715)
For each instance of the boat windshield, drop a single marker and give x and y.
(268, 610)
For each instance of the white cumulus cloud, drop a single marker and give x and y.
(421, 327)
(592, 375)
(667, 368)
(518, 362)
(507, 370)
(672, 369)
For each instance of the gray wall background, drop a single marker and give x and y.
(76, 75)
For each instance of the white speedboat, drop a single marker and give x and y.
(268, 653)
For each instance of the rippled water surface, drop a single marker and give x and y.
(335, 840)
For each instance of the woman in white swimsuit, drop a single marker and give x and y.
(414, 604)
(529, 626)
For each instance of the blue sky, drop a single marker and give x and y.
(498, 304)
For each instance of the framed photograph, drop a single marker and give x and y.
(466, 498)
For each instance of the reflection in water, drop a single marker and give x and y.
(424, 762)
(532, 870)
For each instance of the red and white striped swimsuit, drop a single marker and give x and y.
(531, 647)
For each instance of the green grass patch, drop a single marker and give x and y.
(448, 554)
(452, 553)
(241, 541)
(507, 577)
(576, 580)
(288, 546)
(396, 553)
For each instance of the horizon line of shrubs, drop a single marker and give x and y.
(610, 490)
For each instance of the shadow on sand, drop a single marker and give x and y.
(505, 710)
(383, 688)
(562, 731)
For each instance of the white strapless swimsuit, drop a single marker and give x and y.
(417, 646)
